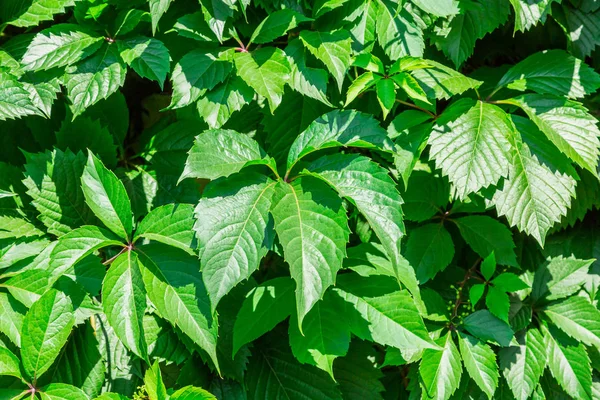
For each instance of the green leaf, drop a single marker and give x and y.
(360, 85)
(577, 318)
(377, 311)
(581, 28)
(9, 364)
(94, 79)
(529, 13)
(219, 153)
(363, 27)
(534, 196)
(338, 128)
(509, 282)
(43, 88)
(15, 101)
(333, 49)
(475, 20)
(154, 384)
(157, 10)
(62, 391)
(174, 285)
(325, 335)
(218, 105)
(441, 82)
(480, 363)
(264, 307)
(552, 72)
(487, 327)
(569, 363)
(497, 302)
(438, 8)
(386, 95)
(567, 124)
(163, 342)
(196, 72)
(277, 24)
(191, 393)
(46, 328)
(148, 57)
(429, 250)
(98, 140)
(231, 226)
(53, 180)
(475, 293)
(358, 375)
(107, 198)
(523, 365)
(266, 70)
(59, 46)
(78, 244)
(488, 266)
(170, 224)
(471, 148)
(559, 277)
(312, 227)
(129, 20)
(370, 188)
(13, 313)
(399, 31)
(31, 13)
(486, 235)
(410, 86)
(440, 370)
(124, 302)
(28, 286)
(216, 13)
(311, 82)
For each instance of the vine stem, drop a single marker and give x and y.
(417, 107)
(461, 286)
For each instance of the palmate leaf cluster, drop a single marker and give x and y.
(293, 199)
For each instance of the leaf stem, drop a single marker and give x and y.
(417, 107)
(110, 260)
(461, 286)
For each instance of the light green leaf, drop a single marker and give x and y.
(31, 13)
(480, 363)
(43, 87)
(94, 79)
(339, 128)
(157, 10)
(174, 285)
(196, 72)
(170, 224)
(486, 235)
(370, 188)
(15, 101)
(128, 20)
(441, 82)
(46, 328)
(219, 153)
(441, 370)
(148, 57)
(194, 26)
(325, 335)
(399, 31)
(386, 95)
(429, 250)
(474, 21)
(59, 46)
(154, 384)
(578, 318)
(78, 244)
(440, 8)
(377, 311)
(363, 27)
(567, 124)
(28, 286)
(559, 277)
(266, 70)
(529, 13)
(219, 104)
(124, 302)
(410, 86)
(276, 24)
(264, 307)
(231, 227)
(13, 313)
(552, 72)
(191, 393)
(471, 148)
(9, 363)
(53, 181)
(569, 363)
(523, 365)
(312, 227)
(333, 49)
(311, 82)
(360, 85)
(62, 391)
(498, 302)
(106, 196)
(487, 327)
(216, 13)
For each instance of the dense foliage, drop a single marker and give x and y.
(296, 199)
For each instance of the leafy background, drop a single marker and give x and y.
(285, 199)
